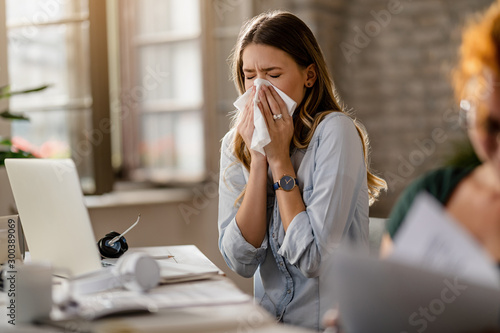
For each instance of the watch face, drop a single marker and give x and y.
(287, 183)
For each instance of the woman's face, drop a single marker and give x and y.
(485, 130)
(278, 67)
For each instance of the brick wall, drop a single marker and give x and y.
(395, 73)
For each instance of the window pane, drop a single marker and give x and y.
(59, 134)
(160, 16)
(189, 142)
(55, 55)
(173, 143)
(37, 12)
(167, 86)
(171, 71)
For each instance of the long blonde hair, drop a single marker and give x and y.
(287, 32)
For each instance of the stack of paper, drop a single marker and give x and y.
(172, 272)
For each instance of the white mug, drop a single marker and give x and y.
(29, 291)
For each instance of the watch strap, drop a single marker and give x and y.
(276, 185)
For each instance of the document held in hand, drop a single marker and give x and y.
(431, 239)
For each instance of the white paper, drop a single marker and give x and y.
(200, 293)
(261, 137)
(172, 272)
(207, 292)
(430, 238)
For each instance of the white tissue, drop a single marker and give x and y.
(260, 137)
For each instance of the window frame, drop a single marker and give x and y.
(99, 87)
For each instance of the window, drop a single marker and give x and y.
(162, 99)
(60, 43)
(154, 118)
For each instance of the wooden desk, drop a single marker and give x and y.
(217, 315)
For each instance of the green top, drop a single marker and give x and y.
(439, 183)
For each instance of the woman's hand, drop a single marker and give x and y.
(331, 321)
(280, 129)
(246, 127)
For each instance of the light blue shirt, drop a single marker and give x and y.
(287, 267)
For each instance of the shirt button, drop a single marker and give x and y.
(288, 291)
(273, 234)
(281, 263)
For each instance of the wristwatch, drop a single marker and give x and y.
(286, 183)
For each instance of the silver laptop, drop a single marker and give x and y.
(53, 214)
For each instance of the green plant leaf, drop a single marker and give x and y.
(5, 142)
(6, 93)
(11, 116)
(11, 154)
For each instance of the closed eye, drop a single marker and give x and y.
(275, 76)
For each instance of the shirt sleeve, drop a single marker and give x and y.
(339, 177)
(241, 256)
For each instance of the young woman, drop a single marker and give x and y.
(281, 213)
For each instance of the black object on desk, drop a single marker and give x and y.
(113, 245)
(107, 249)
